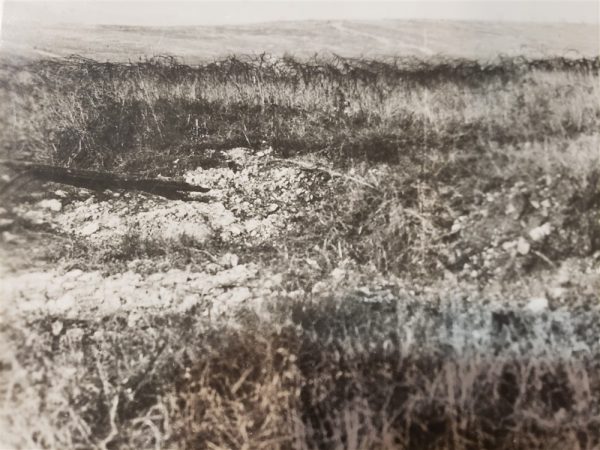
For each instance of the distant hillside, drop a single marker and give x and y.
(347, 38)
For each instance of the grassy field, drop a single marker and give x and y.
(442, 198)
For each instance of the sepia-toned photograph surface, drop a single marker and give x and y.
(297, 225)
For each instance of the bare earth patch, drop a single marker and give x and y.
(250, 205)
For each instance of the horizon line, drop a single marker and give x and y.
(275, 21)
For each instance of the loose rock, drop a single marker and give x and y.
(89, 229)
(539, 233)
(51, 204)
(523, 246)
(537, 304)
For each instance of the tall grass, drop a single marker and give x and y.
(432, 136)
(138, 116)
(337, 374)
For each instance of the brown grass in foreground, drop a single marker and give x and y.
(327, 375)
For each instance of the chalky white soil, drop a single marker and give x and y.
(251, 205)
(254, 203)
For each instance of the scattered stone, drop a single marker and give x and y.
(51, 204)
(197, 232)
(510, 209)
(62, 304)
(34, 217)
(234, 277)
(252, 225)
(523, 246)
(320, 287)
(265, 152)
(188, 302)
(338, 275)
(313, 264)
(229, 260)
(89, 229)
(557, 293)
(537, 304)
(364, 290)
(506, 246)
(75, 335)
(456, 227)
(57, 327)
(60, 193)
(539, 233)
(378, 296)
(231, 299)
(73, 274)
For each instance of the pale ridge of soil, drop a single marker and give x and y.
(78, 294)
(248, 206)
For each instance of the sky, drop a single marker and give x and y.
(173, 13)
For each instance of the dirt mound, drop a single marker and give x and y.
(250, 202)
(81, 295)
